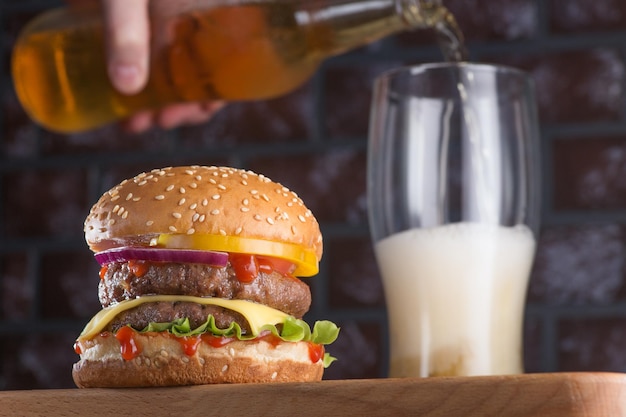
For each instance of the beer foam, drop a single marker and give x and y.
(455, 297)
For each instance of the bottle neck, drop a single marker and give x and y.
(341, 25)
(419, 14)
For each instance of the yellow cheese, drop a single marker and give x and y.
(257, 315)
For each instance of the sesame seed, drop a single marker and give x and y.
(212, 181)
(125, 215)
(244, 182)
(115, 197)
(135, 199)
(265, 197)
(202, 217)
(224, 368)
(244, 209)
(193, 185)
(159, 197)
(257, 217)
(191, 231)
(120, 211)
(116, 208)
(181, 201)
(170, 187)
(111, 222)
(215, 211)
(177, 215)
(274, 375)
(182, 190)
(195, 217)
(293, 229)
(205, 202)
(199, 177)
(143, 182)
(129, 196)
(301, 218)
(270, 220)
(246, 201)
(172, 228)
(215, 196)
(149, 223)
(238, 230)
(189, 172)
(222, 232)
(193, 206)
(277, 209)
(254, 192)
(222, 187)
(290, 204)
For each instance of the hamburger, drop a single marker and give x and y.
(199, 282)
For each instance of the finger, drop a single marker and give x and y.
(187, 113)
(127, 31)
(139, 122)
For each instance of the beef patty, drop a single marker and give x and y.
(164, 312)
(120, 282)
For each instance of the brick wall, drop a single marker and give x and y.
(314, 141)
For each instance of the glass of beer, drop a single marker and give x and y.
(453, 200)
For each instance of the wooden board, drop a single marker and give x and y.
(545, 395)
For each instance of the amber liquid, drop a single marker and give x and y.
(239, 52)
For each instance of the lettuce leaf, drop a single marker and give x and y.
(293, 330)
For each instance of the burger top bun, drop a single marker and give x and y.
(201, 200)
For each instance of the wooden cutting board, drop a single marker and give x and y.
(545, 395)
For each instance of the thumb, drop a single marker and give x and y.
(127, 36)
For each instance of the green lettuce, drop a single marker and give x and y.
(293, 330)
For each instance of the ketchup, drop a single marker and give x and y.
(128, 345)
(245, 266)
(138, 268)
(103, 272)
(189, 344)
(316, 352)
(269, 338)
(216, 341)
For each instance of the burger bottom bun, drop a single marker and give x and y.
(162, 362)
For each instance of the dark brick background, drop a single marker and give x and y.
(314, 141)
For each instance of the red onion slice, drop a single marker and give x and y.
(125, 254)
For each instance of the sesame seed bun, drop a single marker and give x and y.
(200, 200)
(162, 362)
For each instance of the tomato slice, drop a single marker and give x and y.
(304, 259)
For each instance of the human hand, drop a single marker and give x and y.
(127, 35)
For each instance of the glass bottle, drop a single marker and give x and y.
(245, 50)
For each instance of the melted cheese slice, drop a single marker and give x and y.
(257, 315)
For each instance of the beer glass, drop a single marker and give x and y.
(452, 182)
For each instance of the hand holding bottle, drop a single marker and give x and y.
(198, 52)
(127, 36)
